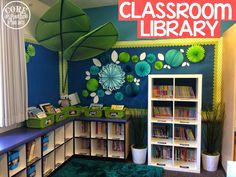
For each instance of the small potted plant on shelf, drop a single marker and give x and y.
(212, 130)
(139, 124)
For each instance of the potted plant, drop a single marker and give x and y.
(212, 130)
(139, 124)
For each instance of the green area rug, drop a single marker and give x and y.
(77, 167)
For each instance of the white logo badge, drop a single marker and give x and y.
(16, 15)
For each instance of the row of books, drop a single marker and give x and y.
(185, 154)
(185, 112)
(30, 151)
(118, 146)
(100, 144)
(184, 92)
(84, 144)
(117, 129)
(160, 111)
(160, 131)
(162, 152)
(100, 128)
(183, 133)
(84, 127)
(162, 91)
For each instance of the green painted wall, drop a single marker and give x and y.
(127, 29)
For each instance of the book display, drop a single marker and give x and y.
(174, 121)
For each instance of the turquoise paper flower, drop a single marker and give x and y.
(111, 77)
(142, 69)
(94, 70)
(151, 58)
(119, 96)
(100, 93)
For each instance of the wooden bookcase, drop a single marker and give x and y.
(102, 138)
(174, 121)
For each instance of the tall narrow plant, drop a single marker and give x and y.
(139, 125)
(213, 121)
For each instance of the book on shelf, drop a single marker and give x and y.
(182, 133)
(185, 154)
(100, 144)
(184, 92)
(85, 144)
(95, 106)
(100, 128)
(117, 146)
(160, 111)
(162, 152)
(163, 91)
(34, 112)
(30, 151)
(117, 107)
(160, 131)
(84, 127)
(185, 113)
(117, 129)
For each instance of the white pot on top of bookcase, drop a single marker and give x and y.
(210, 162)
(139, 155)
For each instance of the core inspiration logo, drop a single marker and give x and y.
(16, 15)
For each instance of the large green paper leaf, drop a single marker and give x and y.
(94, 43)
(62, 25)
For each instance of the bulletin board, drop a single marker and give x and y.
(210, 68)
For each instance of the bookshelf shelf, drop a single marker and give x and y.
(82, 129)
(99, 147)
(59, 156)
(48, 143)
(162, 141)
(35, 168)
(69, 131)
(99, 130)
(116, 149)
(48, 164)
(116, 131)
(174, 101)
(69, 149)
(82, 146)
(33, 151)
(21, 174)
(59, 136)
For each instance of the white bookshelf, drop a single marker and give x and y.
(116, 149)
(69, 149)
(174, 106)
(59, 156)
(22, 161)
(69, 131)
(59, 136)
(3, 166)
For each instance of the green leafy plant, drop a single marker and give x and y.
(139, 126)
(65, 28)
(212, 131)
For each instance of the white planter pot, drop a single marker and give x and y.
(209, 162)
(139, 155)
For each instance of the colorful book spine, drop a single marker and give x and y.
(185, 154)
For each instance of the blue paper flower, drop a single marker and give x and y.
(119, 96)
(111, 77)
(151, 58)
(94, 70)
(100, 93)
(142, 69)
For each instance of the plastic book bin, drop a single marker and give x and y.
(13, 159)
(40, 122)
(71, 111)
(31, 171)
(93, 112)
(58, 117)
(115, 114)
(45, 141)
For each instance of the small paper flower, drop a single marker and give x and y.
(94, 70)
(151, 58)
(100, 93)
(130, 78)
(137, 81)
(196, 53)
(142, 69)
(119, 96)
